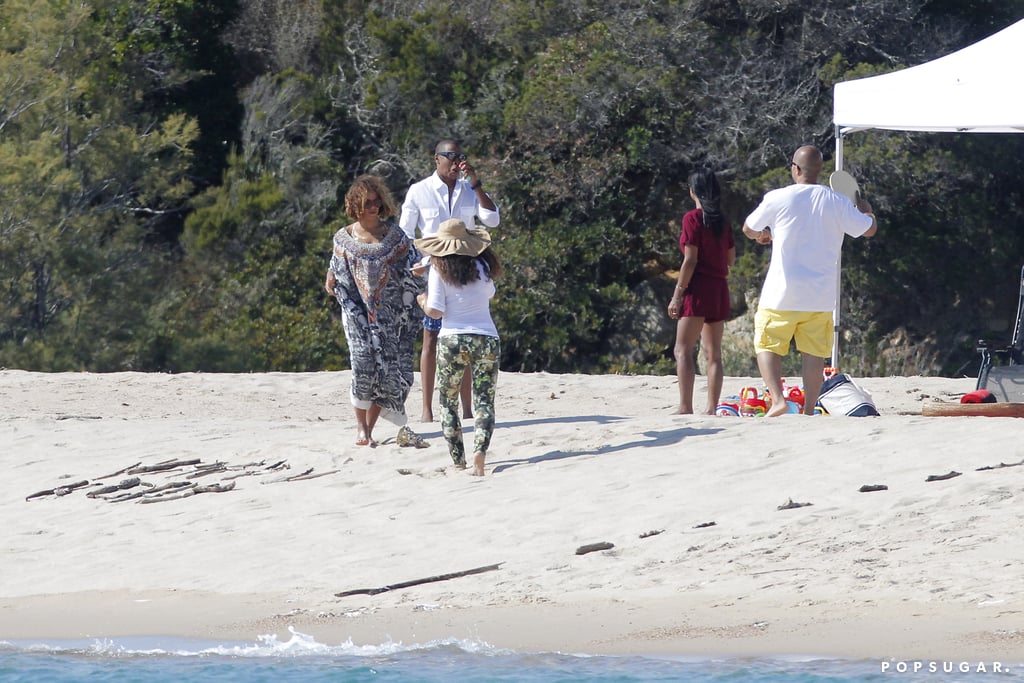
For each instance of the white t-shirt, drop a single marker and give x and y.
(467, 310)
(808, 223)
(426, 207)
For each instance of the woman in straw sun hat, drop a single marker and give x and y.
(460, 285)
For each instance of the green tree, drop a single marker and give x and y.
(256, 247)
(81, 181)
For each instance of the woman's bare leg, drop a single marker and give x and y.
(478, 464)
(687, 333)
(428, 368)
(711, 345)
(362, 428)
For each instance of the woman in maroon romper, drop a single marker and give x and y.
(701, 298)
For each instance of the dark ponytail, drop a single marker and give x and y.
(704, 184)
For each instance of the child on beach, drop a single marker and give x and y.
(460, 284)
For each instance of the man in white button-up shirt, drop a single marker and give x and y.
(453, 191)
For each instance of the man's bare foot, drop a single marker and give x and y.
(427, 415)
(777, 409)
(683, 411)
(478, 465)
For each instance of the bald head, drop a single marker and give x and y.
(806, 165)
(447, 146)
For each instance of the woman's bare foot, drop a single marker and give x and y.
(683, 411)
(478, 465)
(363, 439)
(427, 415)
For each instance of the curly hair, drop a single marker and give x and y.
(355, 198)
(460, 270)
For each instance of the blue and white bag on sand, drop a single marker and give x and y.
(840, 395)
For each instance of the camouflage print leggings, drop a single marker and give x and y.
(481, 354)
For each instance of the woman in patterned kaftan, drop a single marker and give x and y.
(371, 276)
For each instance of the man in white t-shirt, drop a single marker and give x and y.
(805, 223)
(454, 190)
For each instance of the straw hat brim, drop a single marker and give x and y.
(472, 243)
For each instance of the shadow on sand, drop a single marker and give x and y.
(654, 438)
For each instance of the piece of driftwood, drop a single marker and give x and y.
(162, 466)
(124, 484)
(940, 409)
(704, 525)
(652, 532)
(310, 475)
(1000, 466)
(193, 490)
(870, 488)
(68, 488)
(790, 505)
(417, 582)
(59, 490)
(295, 477)
(211, 467)
(173, 486)
(207, 470)
(943, 477)
(594, 547)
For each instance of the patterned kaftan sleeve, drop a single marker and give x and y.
(345, 290)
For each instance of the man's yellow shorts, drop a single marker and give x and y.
(812, 330)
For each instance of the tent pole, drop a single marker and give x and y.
(839, 148)
(839, 266)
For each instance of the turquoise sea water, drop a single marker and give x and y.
(164, 660)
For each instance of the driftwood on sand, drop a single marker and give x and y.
(191, 490)
(417, 582)
(1000, 466)
(162, 466)
(594, 547)
(134, 488)
(59, 490)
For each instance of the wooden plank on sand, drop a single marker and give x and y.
(939, 409)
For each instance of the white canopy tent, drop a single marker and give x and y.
(974, 90)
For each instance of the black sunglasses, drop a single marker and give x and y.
(452, 156)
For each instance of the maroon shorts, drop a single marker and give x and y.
(706, 297)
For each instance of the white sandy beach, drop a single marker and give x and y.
(924, 569)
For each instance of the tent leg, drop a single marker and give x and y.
(839, 266)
